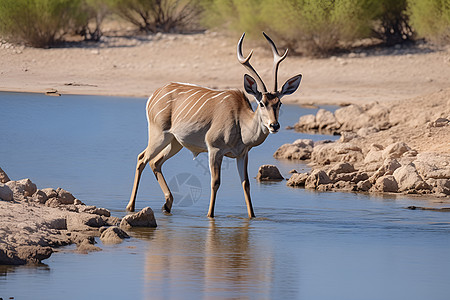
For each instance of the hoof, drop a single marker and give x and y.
(166, 210)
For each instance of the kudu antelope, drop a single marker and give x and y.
(221, 123)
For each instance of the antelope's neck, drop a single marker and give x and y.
(252, 129)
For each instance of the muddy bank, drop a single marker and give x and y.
(401, 147)
(35, 222)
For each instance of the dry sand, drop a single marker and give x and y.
(136, 66)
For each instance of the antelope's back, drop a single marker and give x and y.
(181, 104)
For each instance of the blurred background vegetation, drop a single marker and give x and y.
(309, 27)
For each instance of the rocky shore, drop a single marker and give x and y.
(378, 151)
(35, 222)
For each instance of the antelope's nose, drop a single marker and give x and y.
(275, 126)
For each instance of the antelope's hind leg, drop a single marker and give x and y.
(157, 143)
(156, 164)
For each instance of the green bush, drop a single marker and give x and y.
(315, 27)
(431, 19)
(39, 23)
(157, 15)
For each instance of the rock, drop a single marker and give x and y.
(57, 223)
(345, 186)
(385, 184)
(388, 168)
(95, 210)
(297, 180)
(340, 168)
(439, 186)
(409, 180)
(373, 156)
(346, 116)
(347, 136)
(395, 150)
(64, 196)
(87, 245)
(22, 188)
(306, 123)
(440, 122)
(144, 218)
(84, 222)
(113, 235)
(433, 165)
(354, 117)
(40, 197)
(364, 185)
(268, 172)
(326, 119)
(301, 149)
(324, 154)
(293, 171)
(316, 178)
(3, 177)
(34, 254)
(51, 193)
(53, 202)
(6, 193)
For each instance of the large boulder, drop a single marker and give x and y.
(268, 173)
(409, 180)
(6, 193)
(22, 188)
(144, 218)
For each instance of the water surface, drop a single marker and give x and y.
(302, 245)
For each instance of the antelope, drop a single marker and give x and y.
(220, 122)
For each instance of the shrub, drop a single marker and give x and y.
(392, 22)
(315, 27)
(39, 23)
(157, 15)
(95, 12)
(431, 19)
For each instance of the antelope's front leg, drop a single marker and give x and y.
(243, 174)
(215, 162)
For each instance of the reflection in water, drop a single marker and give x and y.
(217, 261)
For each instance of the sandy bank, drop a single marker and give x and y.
(121, 66)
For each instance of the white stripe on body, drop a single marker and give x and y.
(205, 103)
(174, 119)
(153, 105)
(192, 106)
(167, 106)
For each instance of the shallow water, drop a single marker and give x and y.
(302, 245)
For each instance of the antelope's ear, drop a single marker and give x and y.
(251, 87)
(291, 85)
